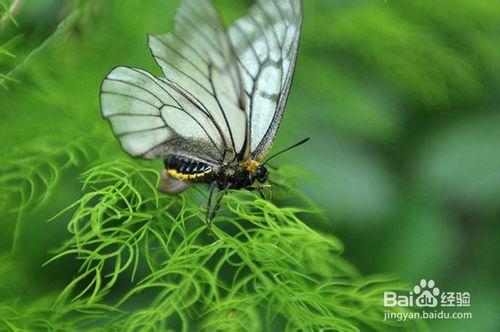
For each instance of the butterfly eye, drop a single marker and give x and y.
(262, 174)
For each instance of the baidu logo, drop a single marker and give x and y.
(427, 294)
(426, 297)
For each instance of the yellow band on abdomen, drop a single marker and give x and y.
(182, 176)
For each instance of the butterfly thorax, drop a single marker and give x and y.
(235, 175)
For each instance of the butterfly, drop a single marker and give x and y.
(215, 112)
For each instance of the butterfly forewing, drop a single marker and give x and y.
(198, 58)
(266, 42)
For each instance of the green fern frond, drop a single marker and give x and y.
(260, 263)
(7, 9)
(30, 173)
(78, 13)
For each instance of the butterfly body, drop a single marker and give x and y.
(235, 175)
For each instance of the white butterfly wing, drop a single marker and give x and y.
(198, 59)
(266, 42)
(151, 118)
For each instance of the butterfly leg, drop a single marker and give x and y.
(212, 210)
(260, 190)
(272, 184)
(211, 190)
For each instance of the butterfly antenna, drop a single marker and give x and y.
(285, 150)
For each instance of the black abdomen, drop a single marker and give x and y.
(184, 168)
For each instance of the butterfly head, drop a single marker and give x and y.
(257, 171)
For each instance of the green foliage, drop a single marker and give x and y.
(400, 99)
(30, 173)
(76, 14)
(239, 275)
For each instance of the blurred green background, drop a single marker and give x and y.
(400, 99)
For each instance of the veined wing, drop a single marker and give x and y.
(266, 43)
(151, 117)
(198, 59)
